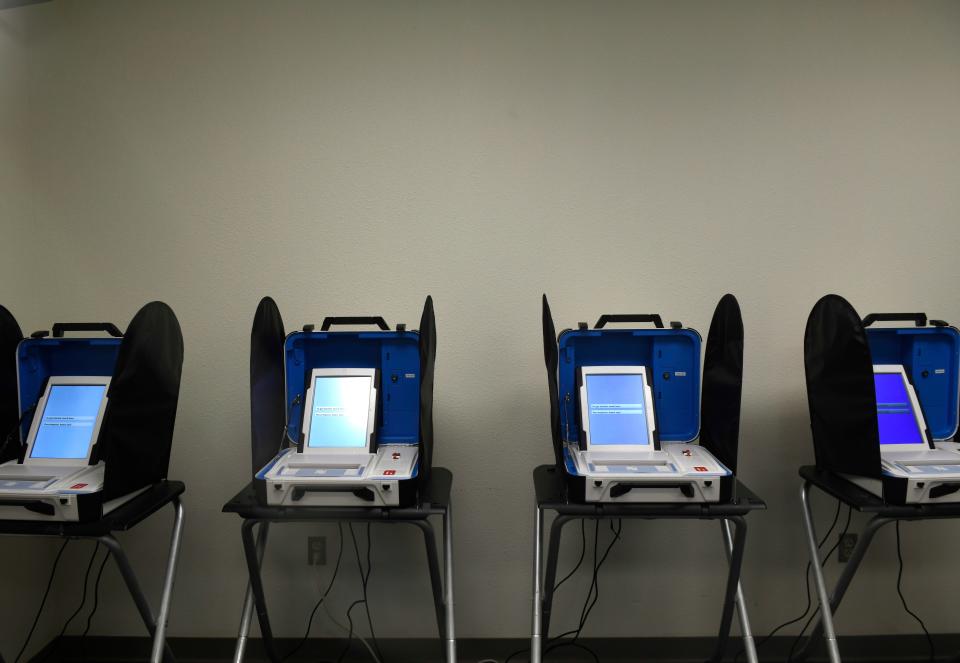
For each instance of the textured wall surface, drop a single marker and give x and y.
(350, 158)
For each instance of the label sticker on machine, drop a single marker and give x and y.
(25, 485)
(301, 472)
(931, 469)
(666, 468)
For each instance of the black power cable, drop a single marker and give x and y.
(823, 563)
(285, 435)
(904, 600)
(593, 594)
(583, 552)
(83, 601)
(764, 640)
(364, 580)
(323, 597)
(43, 601)
(576, 567)
(366, 603)
(96, 596)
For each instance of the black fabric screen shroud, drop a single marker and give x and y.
(428, 353)
(137, 428)
(10, 337)
(551, 359)
(840, 389)
(723, 383)
(268, 418)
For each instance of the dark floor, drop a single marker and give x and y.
(859, 649)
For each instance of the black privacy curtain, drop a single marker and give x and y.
(551, 359)
(840, 389)
(10, 337)
(267, 412)
(137, 428)
(428, 352)
(723, 383)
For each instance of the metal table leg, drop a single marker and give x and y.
(733, 582)
(550, 575)
(133, 586)
(248, 598)
(448, 583)
(256, 585)
(846, 577)
(159, 637)
(826, 615)
(535, 638)
(433, 565)
(749, 647)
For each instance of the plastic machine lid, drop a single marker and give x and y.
(931, 358)
(672, 355)
(405, 360)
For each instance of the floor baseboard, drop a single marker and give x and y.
(855, 649)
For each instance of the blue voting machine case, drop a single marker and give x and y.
(280, 371)
(692, 472)
(840, 350)
(132, 449)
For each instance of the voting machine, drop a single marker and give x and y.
(626, 407)
(341, 417)
(94, 416)
(884, 401)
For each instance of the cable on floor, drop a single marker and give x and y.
(823, 563)
(83, 601)
(576, 567)
(96, 604)
(364, 580)
(764, 640)
(43, 601)
(593, 595)
(323, 596)
(903, 600)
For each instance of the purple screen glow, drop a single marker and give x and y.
(895, 417)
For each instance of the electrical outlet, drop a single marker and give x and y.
(847, 543)
(316, 550)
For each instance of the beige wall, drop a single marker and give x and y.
(350, 158)
(26, 562)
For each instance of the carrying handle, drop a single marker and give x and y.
(355, 320)
(919, 319)
(943, 490)
(35, 506)
(362, 492)
(629, 317)
(622, 488)
(108, 327)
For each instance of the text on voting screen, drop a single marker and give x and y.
(616, 409)
(340, 412)
(66, 423)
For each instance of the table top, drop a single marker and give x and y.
(849, 493)
(122, 518)
(434, 500)
(551, 493)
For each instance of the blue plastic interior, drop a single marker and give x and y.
(673, 357)
(395, 354)
(931, 358)
(39, 358)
